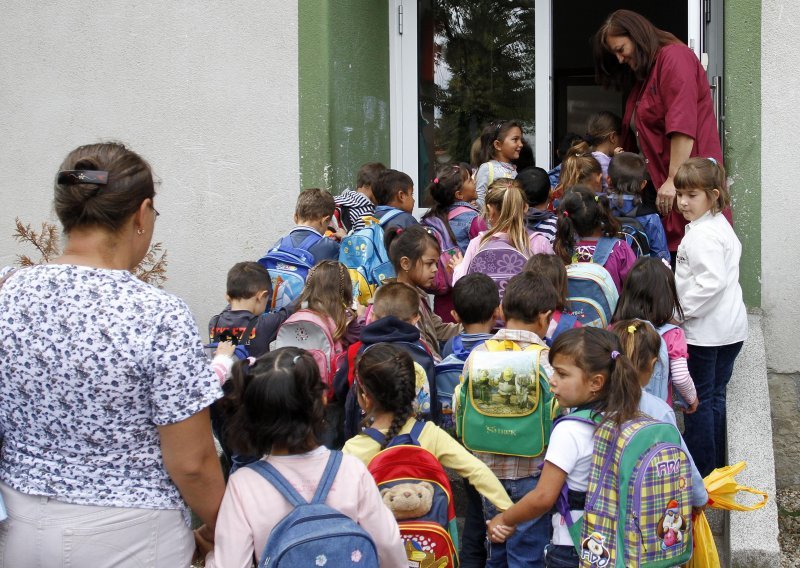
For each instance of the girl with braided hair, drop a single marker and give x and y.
(277, 406)
(386, 389)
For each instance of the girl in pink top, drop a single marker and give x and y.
(583, 220)
(505, 209)
(278, 414)
(650, 294)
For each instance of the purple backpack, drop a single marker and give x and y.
(443, 281)
(499, 261)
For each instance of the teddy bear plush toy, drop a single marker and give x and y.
(408, 500)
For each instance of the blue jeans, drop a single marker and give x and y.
(560, 556)
(711, 369)
(526, 545)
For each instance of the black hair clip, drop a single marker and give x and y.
(88, 177)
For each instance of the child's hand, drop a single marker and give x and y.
(225, 348)
(203, 541)
(454, 261)
(618, 150)
(497, 531)
(692, 407)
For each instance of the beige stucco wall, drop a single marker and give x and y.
(206, 91)
(780, 167)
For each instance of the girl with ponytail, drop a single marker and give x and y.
(505, 209)
(590, 371)
(386, 390)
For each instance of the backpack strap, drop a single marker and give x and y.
(501, 345)
(458, 348)
(244, 339)
(331, 468)
(388, 216)
(375, 434)
(380, 437)
(310, 241)
(416, 430)
(212, 337)
(279, 482)
(604, 248)
(455, 212)
(490, 179)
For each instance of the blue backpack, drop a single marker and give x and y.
(447, 377)
(591, 293)
(364, 254)
(632, 231)
(565, 323)
(288, 267)
(659, 381)
(314, 534)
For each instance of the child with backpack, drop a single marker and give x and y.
(504, 412)
(603, 133)
(649, 294)
(605, 448)
(393, 319)
(386, 391)
(290, 259)
(353, 206)
(553, 270)
(248, 290)
(394, 196)
(502, 251)
(715, 317)
(642, 345)
(454, 222)
(587, 232)
(500, 144)
(627, 178)
(536, 184)
(578, 168)
(279, 415)
(414, 253)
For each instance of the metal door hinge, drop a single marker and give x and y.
(400, 19)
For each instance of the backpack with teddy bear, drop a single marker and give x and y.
(415, 487)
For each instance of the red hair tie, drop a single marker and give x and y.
(399, 231)
(435, 180)
(566, 213)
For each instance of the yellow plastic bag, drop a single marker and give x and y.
(722, 489)
(705, 549)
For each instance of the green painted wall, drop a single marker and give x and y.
(344, 89)
(743, 134)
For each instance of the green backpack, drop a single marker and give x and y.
(505, 404)
(638, 501)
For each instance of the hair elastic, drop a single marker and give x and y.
(614, 355)
(632, 328)
(712, 160)
(294, 359)
(399, 231)
(597, 198)
(435, 181)
(566, 214)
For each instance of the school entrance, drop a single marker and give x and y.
(456, 64)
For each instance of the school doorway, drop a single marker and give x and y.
(454, 64)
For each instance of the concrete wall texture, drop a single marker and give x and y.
(206, 91)
(780, 253)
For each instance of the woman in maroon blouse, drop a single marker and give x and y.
(669, 113)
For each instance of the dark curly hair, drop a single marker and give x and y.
(386, 373)
(276, 403)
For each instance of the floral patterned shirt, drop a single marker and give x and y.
(93, 361)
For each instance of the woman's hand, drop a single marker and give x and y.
(497, 531)
(666, 197)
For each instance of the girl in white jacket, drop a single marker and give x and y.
(715, 318)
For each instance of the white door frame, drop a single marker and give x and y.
(404, 89)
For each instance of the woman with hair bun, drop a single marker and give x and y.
(104, 388)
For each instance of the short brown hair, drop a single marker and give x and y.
(246, 279)
(396, 299)
(704, 174)
(129, 182)
(552, 268)
(526, 296)
(368, 173)
(314, 204)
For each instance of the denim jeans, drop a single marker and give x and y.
(473, 539)
(526, 545)
(711, 369)
(560, 556)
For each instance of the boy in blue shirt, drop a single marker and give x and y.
(312, 215)
(394, 195)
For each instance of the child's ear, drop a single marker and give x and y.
(454, 315)
(652, 365)
(543, 321)
(405, 263)
(227, 298)
(296, 219)
(414, 320)
(596, 383)
(326, 220)
(608, 181)
(644, 183)
(500, 314)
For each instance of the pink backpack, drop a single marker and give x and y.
(313, 332)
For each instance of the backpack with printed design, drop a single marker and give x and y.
(314, 534)
(288, 267)
(659, 385)
(241, 343)
(443, 281)
(408, 477)
(632, 232)
(637, 509)
(313, 332)
(499, 261)
(504, 403)
(591, 293)
(364, 254)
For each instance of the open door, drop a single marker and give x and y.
(457, 65)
